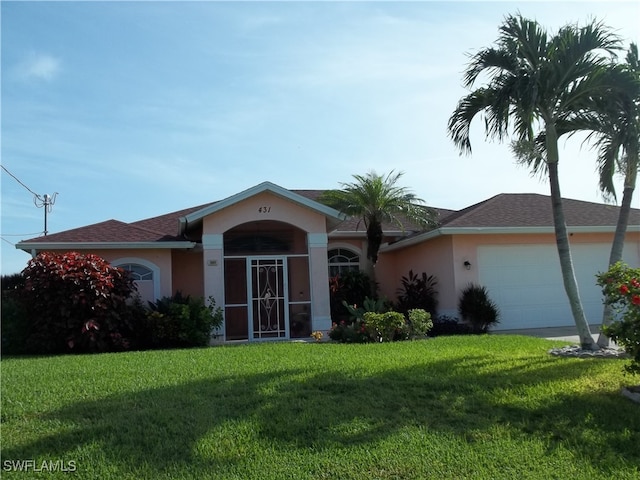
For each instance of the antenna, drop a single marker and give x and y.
(47, 202)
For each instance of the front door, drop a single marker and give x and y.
(268, 308)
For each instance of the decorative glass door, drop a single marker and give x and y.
(269, 301)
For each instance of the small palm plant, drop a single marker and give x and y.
(478, 309)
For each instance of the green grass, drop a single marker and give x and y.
(487, 407)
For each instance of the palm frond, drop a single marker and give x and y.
(376, 199)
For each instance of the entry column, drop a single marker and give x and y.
(213, 246)
(319, 279)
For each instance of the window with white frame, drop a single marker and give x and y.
(343, 260)
(143, 279)
(138, 272)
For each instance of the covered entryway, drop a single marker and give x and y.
(266, 282)
(526, 283)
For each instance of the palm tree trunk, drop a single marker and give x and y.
(562, 242)
(374, 240)
(618, 245)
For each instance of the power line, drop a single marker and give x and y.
(47, 201)
(19, 234)
(18, 180)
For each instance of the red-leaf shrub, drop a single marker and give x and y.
(77, 302)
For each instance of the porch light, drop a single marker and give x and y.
(467, 264)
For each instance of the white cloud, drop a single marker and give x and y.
(39, 66)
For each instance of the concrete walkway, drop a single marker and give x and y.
(567, 334)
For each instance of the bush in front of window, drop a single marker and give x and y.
(181, 321)
(76, 302)
(350, 287)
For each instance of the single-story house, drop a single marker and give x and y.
(265, 255)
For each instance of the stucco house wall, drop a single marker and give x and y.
(188, 272)
(444, 257)
(434, 258)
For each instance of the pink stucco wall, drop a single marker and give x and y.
(444, 257)
(434, 258)
(187, 269)
(264, 206)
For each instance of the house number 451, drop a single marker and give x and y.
(264, 209)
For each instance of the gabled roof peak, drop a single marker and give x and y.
(333, 215)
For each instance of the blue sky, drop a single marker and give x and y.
(131, 110)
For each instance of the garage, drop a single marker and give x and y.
(526, 283)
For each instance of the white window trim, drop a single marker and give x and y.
(145, 263)
(346, 246)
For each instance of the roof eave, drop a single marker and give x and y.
(363, 233)
(30, 246)
(497, 231)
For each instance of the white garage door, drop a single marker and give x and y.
(526, 283)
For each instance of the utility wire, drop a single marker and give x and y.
(19, 234)
(18, 180)
(47, 201)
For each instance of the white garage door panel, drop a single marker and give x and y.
(526, 283)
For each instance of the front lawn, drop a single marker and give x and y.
(488, 407)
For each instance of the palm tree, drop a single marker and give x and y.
(376, 199)
(535, 82)
(615, 122)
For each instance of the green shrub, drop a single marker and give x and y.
(621, 288)
(477, 309)
(376, 305)
(418, 292)
(353, 332)
(182, 321)
(376, 324)
(385, 327)
(352, 329)
(351, 287)
(447, 325)
(419, 323)
(14, 325)
(12, 282)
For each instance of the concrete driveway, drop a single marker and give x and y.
(567, 334)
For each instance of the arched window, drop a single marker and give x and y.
(138, 272)
(145, 274)
(342, 260)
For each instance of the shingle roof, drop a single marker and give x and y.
(169, 222)
(503, 210)
(534, 210)
(108, 231)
